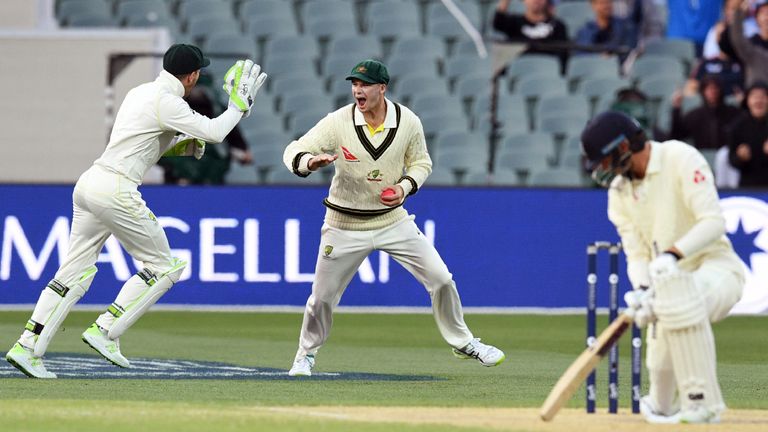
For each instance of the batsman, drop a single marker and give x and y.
(664, 204)
(153, 120)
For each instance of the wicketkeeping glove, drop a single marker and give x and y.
(186, 145)
(241, 82)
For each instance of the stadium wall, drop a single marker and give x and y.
(53, 85)
(507, 248)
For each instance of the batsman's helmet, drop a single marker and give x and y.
(602, 137)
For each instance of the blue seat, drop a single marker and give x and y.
(652, 65)
(585, 66)
(425, 47)
(69, 8)
(329, 27)
(266, 9)
(303, 46)
(194, 8)
(362, 46)
(263, 29)
(464, 65)
(438, 12)
(404, 12)
(149, 8)
(200, 28)
(423, 103)
(392, 29)
(241, 45)
(532, 142)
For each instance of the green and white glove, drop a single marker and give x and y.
(186, 145)
(241, 82)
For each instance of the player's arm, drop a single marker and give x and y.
(314, 150)
(174, 114)
(744, 48)
(418, 164)
(699, 195)
(636, 248)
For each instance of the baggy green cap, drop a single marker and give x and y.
(182, 59)
(370, 71)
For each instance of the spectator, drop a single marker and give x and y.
(607, 30)
(644, 16)
(717, 37)
(729, 73)
(753, 57)
(537, 24)
(705, 125)
(635, 103)
(748, 138)
(215, 162)
(692, 20)
(761, 18)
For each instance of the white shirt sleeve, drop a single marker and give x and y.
(700, 196)
(174, 113)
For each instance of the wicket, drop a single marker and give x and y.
(613, 311)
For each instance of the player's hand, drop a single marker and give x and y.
(743, 152)
(392, 196)
(640, 306)
(664, 266)
(241, 82)
(320, 161)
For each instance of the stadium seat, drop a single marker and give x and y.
(682, 49)
(143, 21)
(91, 20)
(574, 15)
(263, 121)
(445, 104)
(298, 81)
(200, 28)
(240, 45)
(296, 102)
(532, 66)
(400, 67)
(660, 87)
(557, 177)
(462, 160)
(436, 11)
(595, 89)
(652, 65)
(328, 27)
(69, 8)
(361, 46)
(459, 66)
(532, 142)
(425, 47)
(389, 30)
(301, 122)
(381, 12)
(241, 174)
(283, 64)
(441, 177)
(284, 47)
(564, 105)
(260, 138)
(520, 161)
(156, 9)
(461, 140)
(266, 10)
(581, 67)
(436, 124)
(264, 29)
(323, 10)
(448, 29)
(408, 86)
(195, 8)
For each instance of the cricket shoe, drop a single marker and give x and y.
(24, 360)
(96, 338)
(302, 366)
(652, 415)
(487, 355)
(699, 414)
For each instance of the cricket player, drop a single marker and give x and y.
(664, 204)
(381, 158)
(106, 201)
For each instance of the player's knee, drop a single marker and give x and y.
(78, 283)
(172, 270)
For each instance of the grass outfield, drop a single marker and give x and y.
(538, 349)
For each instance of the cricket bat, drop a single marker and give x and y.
(578, 371)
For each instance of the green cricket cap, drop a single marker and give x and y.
(370, 71)
(181, 59)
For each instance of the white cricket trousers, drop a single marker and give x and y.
(341, 253)
(106, 203)
(721, 289)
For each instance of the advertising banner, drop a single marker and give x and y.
(507, 248)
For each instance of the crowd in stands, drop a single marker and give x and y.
(694, 71)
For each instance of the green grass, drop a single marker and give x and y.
(538, 349)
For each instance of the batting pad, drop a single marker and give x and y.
(694, 359)
(678, 303)
(54, 305)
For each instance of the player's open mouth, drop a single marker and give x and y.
(360, 102)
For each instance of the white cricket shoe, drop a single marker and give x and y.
(487, 355)
(652, 415)
(96, 338)
(302, 366)
(699, 414)
(23, 359)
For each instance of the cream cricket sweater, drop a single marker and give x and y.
(366, 164)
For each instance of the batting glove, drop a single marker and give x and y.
(241, 82)
(186, 145)
(640, 306)
(664, 266)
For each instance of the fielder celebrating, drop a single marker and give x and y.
(662, 197)
(106, 201)
(382, 158)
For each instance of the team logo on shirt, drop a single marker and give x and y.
(746, 223)
(348, 156)
(375, 176)
(698, 177)
(327, 250)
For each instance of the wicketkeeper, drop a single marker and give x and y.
(664, 204)
(154, 120)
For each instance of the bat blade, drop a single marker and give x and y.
(578, 371)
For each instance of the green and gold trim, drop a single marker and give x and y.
(296, 162)
(414, 186)
(358, 212)
(367, 145)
